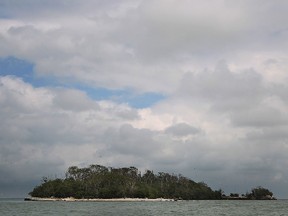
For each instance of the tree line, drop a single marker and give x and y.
(97, 181)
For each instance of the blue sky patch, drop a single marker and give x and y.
(25, 70)
(17, 67)
(141, 100)
(145, 100)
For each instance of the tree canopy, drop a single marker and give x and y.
(97, 181)
(260, 193)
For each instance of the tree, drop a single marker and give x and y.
(260, 193)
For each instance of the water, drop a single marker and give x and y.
(18, 207)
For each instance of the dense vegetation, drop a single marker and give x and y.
(260, 193)
(98, 181)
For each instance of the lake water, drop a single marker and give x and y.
(18, 207)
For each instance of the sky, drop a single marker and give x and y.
(192, 87)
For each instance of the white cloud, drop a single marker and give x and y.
(215, 121)
(69, 99)
(150, 40)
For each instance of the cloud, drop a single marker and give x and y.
(217, 70)
(142, 42)
(43, 130)
(184, 28)
(222, 87)
(46, 8)
(68, 99)
(182, 129)
(263, 116)
(46, 118)
(242, 119)
(131, 141)
(63, 127)
(243, 96)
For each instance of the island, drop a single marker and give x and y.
(100, 183)
(258, 193)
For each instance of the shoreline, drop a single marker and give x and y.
(71, 199)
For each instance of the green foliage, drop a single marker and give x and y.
(260, 193)
(98, 181)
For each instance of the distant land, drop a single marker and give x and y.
(98, 182)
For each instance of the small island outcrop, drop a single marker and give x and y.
(100, 183)
(258, 193)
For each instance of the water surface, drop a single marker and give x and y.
(18, 207)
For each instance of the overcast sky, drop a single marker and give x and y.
(182, 86)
